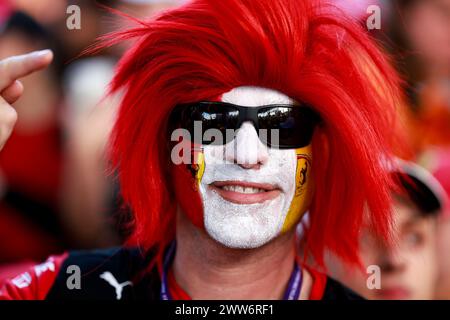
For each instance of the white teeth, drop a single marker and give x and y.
(241, 189)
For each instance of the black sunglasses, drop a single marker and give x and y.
(294, 124)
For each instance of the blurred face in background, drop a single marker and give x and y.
(408, 269)
(427, 27)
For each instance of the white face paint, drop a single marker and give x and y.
(247, 221)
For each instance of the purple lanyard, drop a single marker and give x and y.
(164, 294)
(292, 292)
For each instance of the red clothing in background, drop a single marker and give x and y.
(30, 166)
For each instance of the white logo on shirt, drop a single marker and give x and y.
(22, 280)
(108, 277)
(48, 265)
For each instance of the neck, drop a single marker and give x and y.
(205, 269)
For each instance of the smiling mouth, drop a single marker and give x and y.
(241, 192)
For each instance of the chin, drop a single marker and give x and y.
(243, 226)
(239, 241)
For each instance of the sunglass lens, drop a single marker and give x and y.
(286, 127)
(211, 123)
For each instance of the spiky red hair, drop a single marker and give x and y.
(298, 47)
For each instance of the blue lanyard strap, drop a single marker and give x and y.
(165, 294)
(292, 292)
(295, 284)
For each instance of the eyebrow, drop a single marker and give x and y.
(415, 219)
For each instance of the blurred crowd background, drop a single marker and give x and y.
(57, 194)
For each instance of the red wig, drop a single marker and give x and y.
(298, 47)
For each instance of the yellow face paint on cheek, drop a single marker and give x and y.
(199, 164)
(303, 189)
(303, 193)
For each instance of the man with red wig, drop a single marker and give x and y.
(310, 103)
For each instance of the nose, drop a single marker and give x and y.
(247, 150)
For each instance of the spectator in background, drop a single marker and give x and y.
(11, 89)
(409, 268)
(440, 166)
(30, 164)
(90, 195)
(84, 198)
(421, 42)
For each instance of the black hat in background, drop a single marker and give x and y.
(421, 187)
